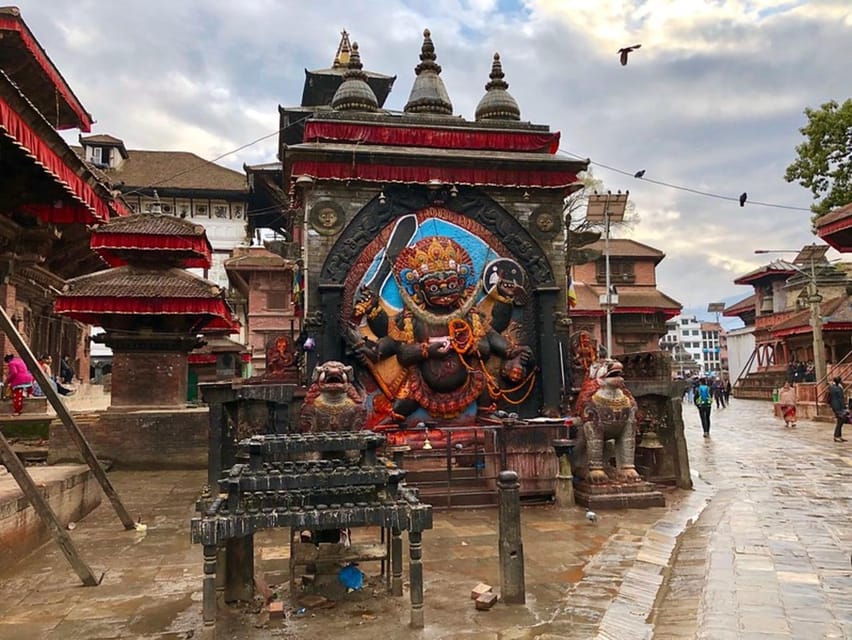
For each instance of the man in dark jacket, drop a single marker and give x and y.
(837, 401)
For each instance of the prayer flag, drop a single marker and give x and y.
(572, 294)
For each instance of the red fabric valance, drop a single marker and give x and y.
(15, 24)
(106, 243)
(221, 324)
(422, 175)
(92, 305)
(23, 136)
(440, 138)
(63, 214)
(201, 358)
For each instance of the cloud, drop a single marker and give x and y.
(712, 101)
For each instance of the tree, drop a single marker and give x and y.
(824, 163)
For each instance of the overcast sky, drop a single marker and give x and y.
(713, 101)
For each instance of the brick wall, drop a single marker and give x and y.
(149, 379)
(138, 439)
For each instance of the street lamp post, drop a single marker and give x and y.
(814, 300)
(607, 208)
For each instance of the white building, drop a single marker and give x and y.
(181, 184)
(704, 342)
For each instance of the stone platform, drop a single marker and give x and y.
(612, 495)
(72, 492)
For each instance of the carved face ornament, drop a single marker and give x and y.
(332, 376)
(441, 289)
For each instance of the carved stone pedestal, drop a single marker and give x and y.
(613, 495)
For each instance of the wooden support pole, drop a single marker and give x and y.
(42, 508)
(77, 436)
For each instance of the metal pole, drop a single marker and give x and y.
(816, 323)
(608, 285)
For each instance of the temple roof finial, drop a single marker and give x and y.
(497, 103)
(428, 95)
(354, 94)
(344, 50)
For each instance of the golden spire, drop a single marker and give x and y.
(344, 49)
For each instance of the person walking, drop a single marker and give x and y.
(718, 391)
(837, 402)
(704, 400)
(19, 380)
(787, 401)
(727, 391)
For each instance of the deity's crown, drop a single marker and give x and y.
(431, 255)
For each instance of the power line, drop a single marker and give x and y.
(217, 158)
(678, 187)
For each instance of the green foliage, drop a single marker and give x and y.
(824, 163)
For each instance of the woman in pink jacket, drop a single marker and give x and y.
(19, 380)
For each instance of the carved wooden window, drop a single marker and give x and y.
(620, 271)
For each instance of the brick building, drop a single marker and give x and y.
(639, 318)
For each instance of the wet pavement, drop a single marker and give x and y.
(766, 556)
(770, 556)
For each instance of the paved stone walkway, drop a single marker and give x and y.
(759, 550)
(769, 557)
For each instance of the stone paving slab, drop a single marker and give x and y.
(759, 549)
(770, 556)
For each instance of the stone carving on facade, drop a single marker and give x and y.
(544, 224)
(608, 411)
(468, 202)
(281, 360)
(333, 402)
(437, 330)
(326, 218)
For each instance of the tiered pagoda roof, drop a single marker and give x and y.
(180, 243)
(147, 253)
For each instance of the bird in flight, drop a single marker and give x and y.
(743, 198)
(624, 51)
(639, 173)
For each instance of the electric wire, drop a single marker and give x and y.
(205, 163)
(669, 185)
(629, 174)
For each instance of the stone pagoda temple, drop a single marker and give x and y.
(432, 243)
(151, 309)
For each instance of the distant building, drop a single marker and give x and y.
(640, 315)
(696, 346)
(177, 183)
(778, 319)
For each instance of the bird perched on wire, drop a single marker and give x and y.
(591, 516)
(743, 198)
(624, 51)
(639, 173)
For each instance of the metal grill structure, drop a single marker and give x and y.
(316, 481)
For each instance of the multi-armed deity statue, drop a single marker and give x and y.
(435, 328)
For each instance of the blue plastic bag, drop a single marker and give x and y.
(351, 577)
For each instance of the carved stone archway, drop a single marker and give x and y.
(472, 204)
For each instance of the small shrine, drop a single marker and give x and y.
(151, 309)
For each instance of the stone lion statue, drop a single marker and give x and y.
(608, 411)
(332, 402)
